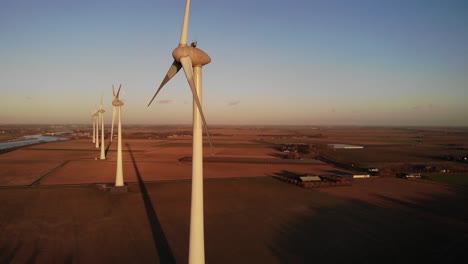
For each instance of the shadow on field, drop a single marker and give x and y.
(440, 205)
(108, 146)
(160, 241)
(352, 231)
(8, 256)
(338, 172)
(277, 155)
(289, 174)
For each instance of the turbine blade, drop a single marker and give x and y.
(118, 91)
(188, 69)
(113, 91)
(175, 67)
(184, 33)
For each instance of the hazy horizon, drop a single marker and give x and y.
(217, 126)
(314, 63)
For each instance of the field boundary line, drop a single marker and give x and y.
(38, 181)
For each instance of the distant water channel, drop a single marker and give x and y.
(30, 140)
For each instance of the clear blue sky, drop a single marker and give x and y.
(309, 62)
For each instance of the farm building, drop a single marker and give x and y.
(310, 178)
(345, 146)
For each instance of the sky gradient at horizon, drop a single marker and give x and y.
(273, 62)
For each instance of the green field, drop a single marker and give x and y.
(6, 137)
(450, 178)
(393, 154)
(383, 155)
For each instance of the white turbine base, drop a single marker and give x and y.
(103, 153)
(112, 126)
(97, 131)
(94, 129)
(197, 236)
(119, 175)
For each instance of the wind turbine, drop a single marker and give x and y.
(101, 115)
(118, 104)
(191, 59)
(113, 109)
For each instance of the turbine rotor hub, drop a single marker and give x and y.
(117, 102)
(198, 56)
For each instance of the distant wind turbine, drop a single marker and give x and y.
(116, 103)
(94, 116)
(97, 127)
(191, 59)
(101, 115)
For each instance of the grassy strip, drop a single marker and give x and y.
(450, 178)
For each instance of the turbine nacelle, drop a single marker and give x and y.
(196, 55)
(117, 102)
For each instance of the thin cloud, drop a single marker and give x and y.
(431, 106)
(425, 107)
(232, 103)
(166, 101)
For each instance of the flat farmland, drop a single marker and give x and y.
(390, 154)
(55, 207)
(265, 221)
(396, 150)
(450, 178)
(77, 162)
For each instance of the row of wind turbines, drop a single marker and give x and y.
(98, 119)
(191, 59)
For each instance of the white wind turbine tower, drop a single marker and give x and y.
(113, 110)
(191, 59)
(118, 104)
(101, 115)
(94, 114)
(97, 127)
